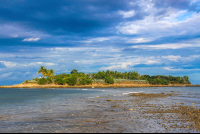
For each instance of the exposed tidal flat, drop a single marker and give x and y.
(120, 110)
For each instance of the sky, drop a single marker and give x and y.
(154, 37)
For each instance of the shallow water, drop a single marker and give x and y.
(50, 110)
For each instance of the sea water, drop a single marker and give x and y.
(24, 109)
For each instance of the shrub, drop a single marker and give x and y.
(164, 82)
(157, 81)
(109, 80)
(49, 80)
(71, 81)
(60, 81)
(42, 81)
(85, 81)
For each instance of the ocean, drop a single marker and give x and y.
(40, 110)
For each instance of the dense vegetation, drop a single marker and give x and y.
(108, 77)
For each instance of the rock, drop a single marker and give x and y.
(115, 106)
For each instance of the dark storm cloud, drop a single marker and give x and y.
(64, 17)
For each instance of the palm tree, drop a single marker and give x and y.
(50, 73)
(45, 72)
(42, 70)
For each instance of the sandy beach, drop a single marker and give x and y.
(116, 85)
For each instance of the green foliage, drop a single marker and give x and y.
(43, 81)
(109, 77)
(165, 80)
(71, 81)
(46, 73)
(85, 81)
(60, 81)
(109, 80)
(49, 80)
(36, 79)
(157, 81)
(31, 81)
(74, 71)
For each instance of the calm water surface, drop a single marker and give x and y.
(19, 105)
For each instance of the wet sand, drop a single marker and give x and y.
(141, 113)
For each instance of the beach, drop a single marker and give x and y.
(120, 110)
(96, 85)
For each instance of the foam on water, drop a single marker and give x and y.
(132, 92)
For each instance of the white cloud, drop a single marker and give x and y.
(172, 16)
(178, 57)
(165, 46)
(127, 64)
(122, 66)
(39, 63)
(139, 40)
(178, 69)
(171, 69)
(127, 14)
(151, 62)
(8, 64)
(5, 75)
(167, 26)
(14, 35)
(172, 57)
(31, 39)
(99, 39)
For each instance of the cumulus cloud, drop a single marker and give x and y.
(164, 27)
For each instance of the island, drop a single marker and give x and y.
(101, 79)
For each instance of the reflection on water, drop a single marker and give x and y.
(50, 110)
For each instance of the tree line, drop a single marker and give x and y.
(109, 77)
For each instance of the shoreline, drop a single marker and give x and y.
(96, 86)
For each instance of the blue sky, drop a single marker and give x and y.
(155, 37)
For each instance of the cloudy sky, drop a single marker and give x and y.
(155, 37)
